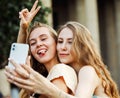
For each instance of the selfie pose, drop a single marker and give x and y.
(42, 41)
(75, 41)
(76, 48)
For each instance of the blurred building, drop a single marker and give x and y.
(101, 17)
(4, 84)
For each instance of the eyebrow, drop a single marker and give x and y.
(67, 38)
(42, 35)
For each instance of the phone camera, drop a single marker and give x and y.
(13, 45)
(13, 49)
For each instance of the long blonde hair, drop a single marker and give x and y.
(37, 66)
(88, 54)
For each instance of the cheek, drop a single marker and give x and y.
(58, 47)
(32, 49)
(72, 52)
(54, 48)
(69, 48)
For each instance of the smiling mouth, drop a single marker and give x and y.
(41, 52)
(63, 55)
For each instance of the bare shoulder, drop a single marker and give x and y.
(87, 69)
(88, 73)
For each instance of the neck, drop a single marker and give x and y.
(51, 63)
(76, 67)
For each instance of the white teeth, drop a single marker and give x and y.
(41, 51)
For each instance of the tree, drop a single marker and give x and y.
(9, 20)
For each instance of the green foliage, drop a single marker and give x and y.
(9, 23)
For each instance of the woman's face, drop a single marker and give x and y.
(64, 46)
(42, 45)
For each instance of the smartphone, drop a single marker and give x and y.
(18, 53)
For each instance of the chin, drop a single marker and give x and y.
(64, 61)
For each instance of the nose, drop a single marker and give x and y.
(63, 47)
(39, 43)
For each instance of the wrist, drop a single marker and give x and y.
(23, 29)
(54, 92)
(24, 26)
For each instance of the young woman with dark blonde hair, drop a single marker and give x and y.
(93, 75)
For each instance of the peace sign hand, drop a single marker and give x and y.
(27, 16)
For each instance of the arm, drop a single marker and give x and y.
(39, 84)
(22, 35)
(59, 83)
(35, 78)
(88, 81)
(26, 17)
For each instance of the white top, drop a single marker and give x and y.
(67, 73)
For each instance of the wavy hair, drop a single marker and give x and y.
(87, 54)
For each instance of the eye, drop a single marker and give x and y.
(60, 41)
(43, 39)
(70, 42)
(32, 43)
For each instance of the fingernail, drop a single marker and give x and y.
(11, 77)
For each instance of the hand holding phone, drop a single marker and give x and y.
(18, 53)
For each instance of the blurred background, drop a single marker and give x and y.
(101, 17)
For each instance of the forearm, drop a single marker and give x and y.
(22, 35)
(61, 94)
(55, 92)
